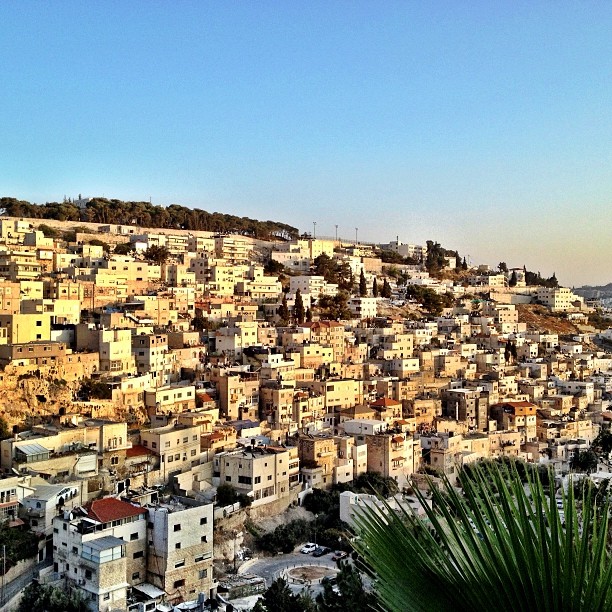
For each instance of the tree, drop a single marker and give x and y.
(226, 495)
(283, 310)
(274, 267)
(386, 289)
(298, 309)
(464, 265)
(157, 254)
(375, 288)
(502, 267)
(279, 598)
(363, 287)
(46, 598)
(478, 543)
(124, 248)
(513, 279)
(349, 595)
(308, 315)
(584, 461)
(335, 307)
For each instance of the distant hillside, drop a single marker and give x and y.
(597, 292)
(145, 214)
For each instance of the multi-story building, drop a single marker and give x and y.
(178, 447)
(264, 474)
(102, 551)
(180, 548)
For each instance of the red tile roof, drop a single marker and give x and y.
(137, 451)
(110, 509)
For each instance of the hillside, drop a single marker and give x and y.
(539, 318)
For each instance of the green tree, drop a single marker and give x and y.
(349, 595)
(513, 279)
(157, 254)
(279, 598)
(386, 289)
(283, 310)
(48, 232)
(46, 598)
(97, 242)
(498, 537)
(273, 267)
(226, 495)
(298, 309)
(375, 288)
(464, 265)
(502, 267)
(584, 461)
(335, 307)
(363, 287)
(308, 315)
(124, 248)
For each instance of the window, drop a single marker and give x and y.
(193, 452)
(114, 460)
(135, 575)
(138, 554)
(177, 457)
(270, 477)
(167, 444)
(75, 550)
(133, 536)
(203, 574)
(106, 596)
(177, 546)
(88, 574)
(180, 563)
(228, 479)
(38, 323)
(203, 520)
(179, 583)
(177, 527)
(257, 479)
(204, 539)
(154, 444)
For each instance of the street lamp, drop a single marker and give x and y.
(314, 230)
(356, 240)
(336, 232)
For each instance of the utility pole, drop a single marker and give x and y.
(336, 232)
(356, 240)
(314, 230)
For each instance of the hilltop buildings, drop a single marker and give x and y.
(127, 375)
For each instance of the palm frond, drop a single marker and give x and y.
(498, 543)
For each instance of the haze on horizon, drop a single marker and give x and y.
(484, 127)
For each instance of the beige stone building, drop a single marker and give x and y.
(264, 474)
(180, 549)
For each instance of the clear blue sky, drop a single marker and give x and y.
(486, 126)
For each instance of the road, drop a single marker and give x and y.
(271, 567)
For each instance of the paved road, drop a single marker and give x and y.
(270, 568)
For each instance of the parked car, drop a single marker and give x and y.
(320, 551)
(308, 548)
(339, 555)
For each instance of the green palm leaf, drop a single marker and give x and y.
(499, 543)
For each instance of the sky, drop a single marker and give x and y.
(485, 126)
